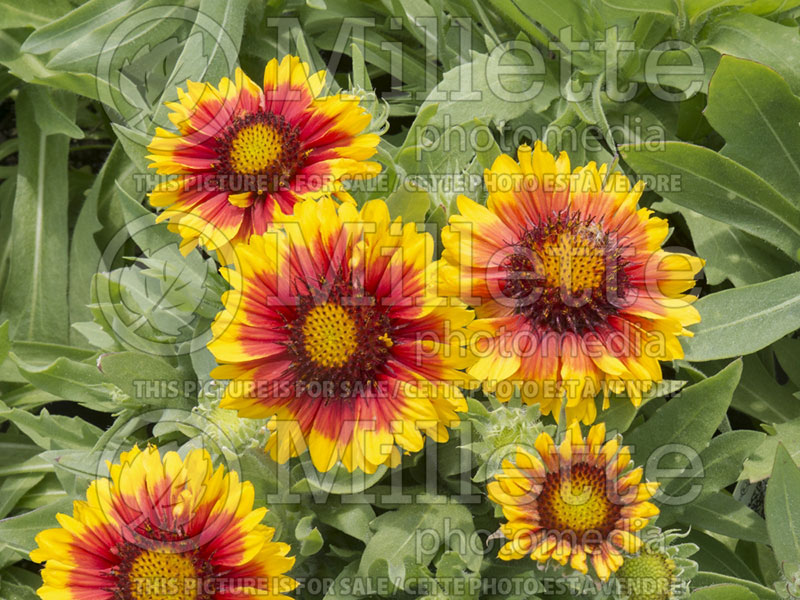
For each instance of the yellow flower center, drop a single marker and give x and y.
(330, 336)
(577, 502)
(648, 576)
(163, 576)
(255, 148)
(567, 274)
(574, 261)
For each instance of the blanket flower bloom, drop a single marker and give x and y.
(164, 528)
(574, 503)
(332, 330)
(243, 152)
(571, 287)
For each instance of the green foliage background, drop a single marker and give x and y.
(77, 114)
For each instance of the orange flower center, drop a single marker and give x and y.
(576, 501)
(157, 575)
(566, 274)
(330, 335)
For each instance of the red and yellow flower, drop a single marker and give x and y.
(571, 287)
(243, 152)
(333, 331)
(164, 528)
(575, 503)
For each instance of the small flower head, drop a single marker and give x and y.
(575, 503)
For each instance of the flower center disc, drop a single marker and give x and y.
(330, 336)
(647, 576)
(577, 502)
(573, 262)
(163, 576)
(255, 148)
(566, 274)
(258, 152)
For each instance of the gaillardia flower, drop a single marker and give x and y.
(571, 288)
(164, 528)
(243, 152)
(573, 503)
(333, 331)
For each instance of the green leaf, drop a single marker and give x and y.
(760, 396)
(742, 91)
(70, 380)
(30, 14)
(18, 533)
(721, 513)
(353, 519)
(71, 26)
(14, 591)
(33, 297)
(689, 419)
(723, 591)
(782, 508)
(720, 188)
(52, 431)
(746, 319)
(14, 488)
(410, 204)
(710, 579)
(414, 533)
(147, 379)
(309, 537)
(722, 462)
(55, 112)
(84, 257)
(713, 555)
(754, 38)
(733, 254)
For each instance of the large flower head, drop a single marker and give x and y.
(332, 330)
(571, 287)
(575, 503)
(242, 152)
(164, 528)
